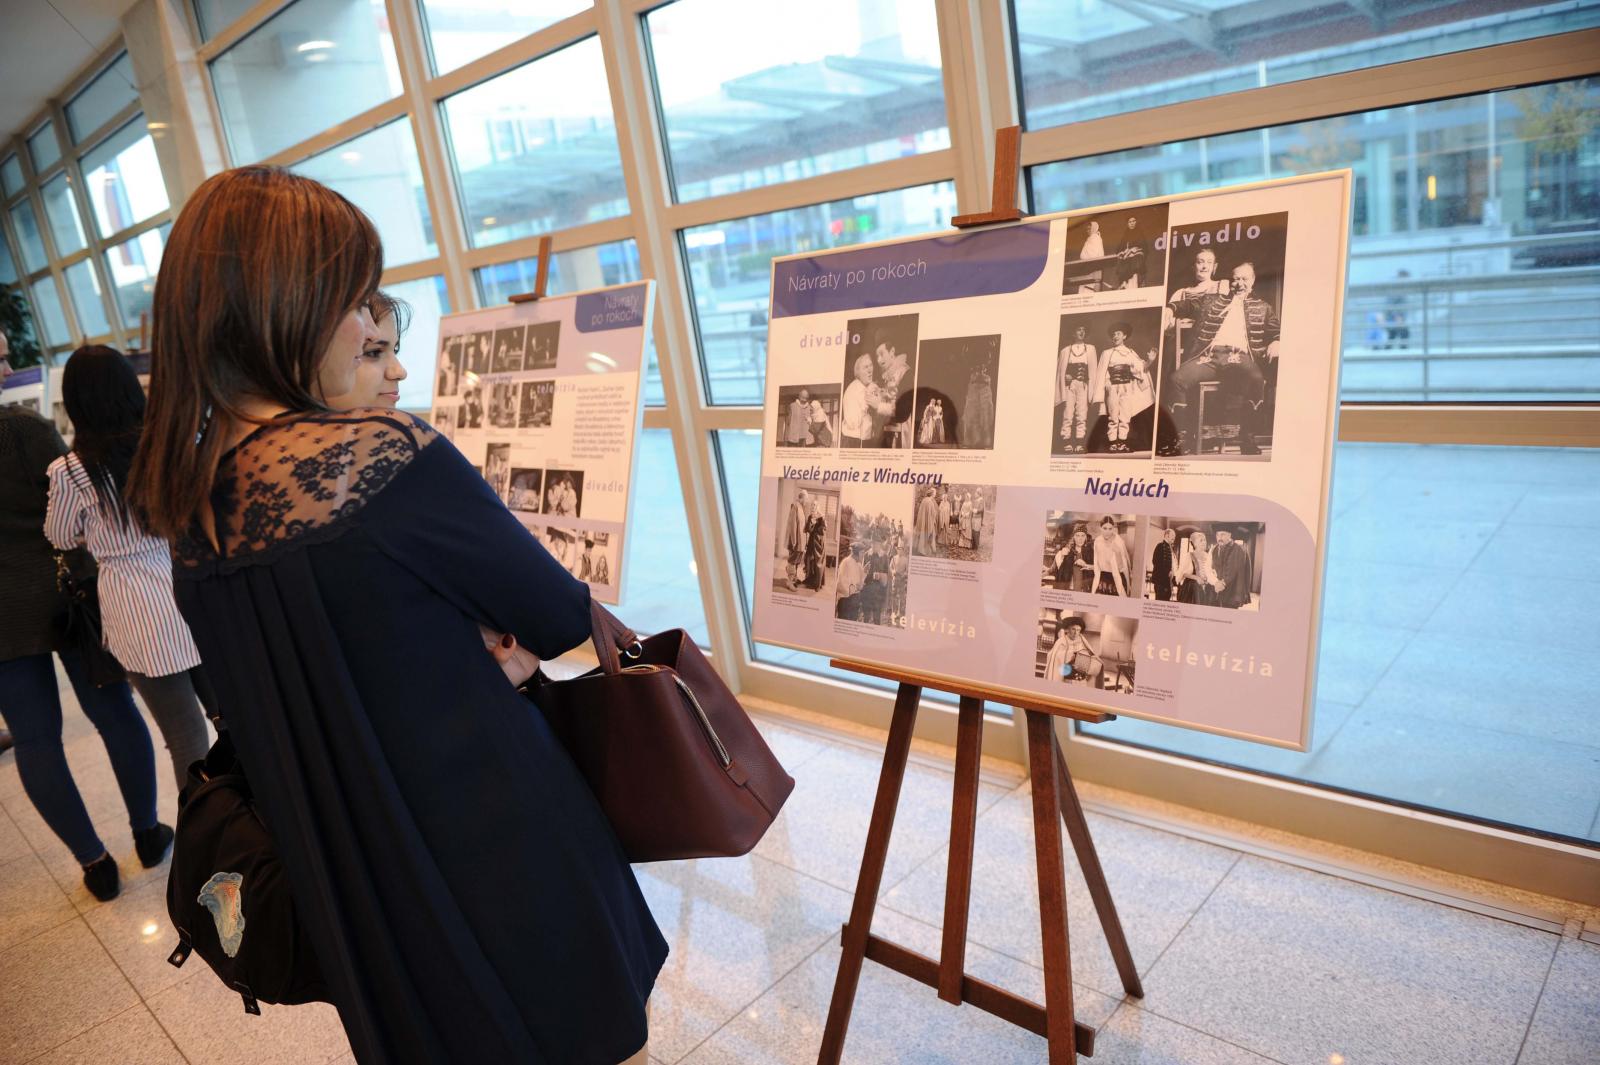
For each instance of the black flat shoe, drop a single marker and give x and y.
(100, 877)
(152, 843)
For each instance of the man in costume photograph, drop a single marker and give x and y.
(1231, 341)
(1231, 561)
(794, 536)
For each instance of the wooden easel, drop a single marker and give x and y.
(541, 278)
(1053, 796)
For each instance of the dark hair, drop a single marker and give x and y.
(382, 305)
(260, 269)
(102, 395)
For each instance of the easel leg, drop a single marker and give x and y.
(963, 827)
(1052, 889)
(1095, 877)
(854, 940)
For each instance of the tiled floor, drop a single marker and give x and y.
(1245, 960)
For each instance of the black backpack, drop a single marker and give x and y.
(228, 893)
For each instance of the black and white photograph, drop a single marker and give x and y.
(1205, 563)
(470, 416)
(808, 415)
(497, 468)
(955, 521)
(874, 553)
(1220, 338)
(503, 404)
(590, 556)
(543, 345)
(1090, 649)
(1105, 383)
(536, 404)
(1091, 552)
(561, 543)
(450, 366)
(444, 420)
(476, 354)
(806, 548)
(563, 493)
(508, 343)
(527, 489)
(957, 380)
(875, 409)
(1116, 250)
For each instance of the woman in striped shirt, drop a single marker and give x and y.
(140, 619)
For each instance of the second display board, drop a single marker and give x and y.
(1084, 457)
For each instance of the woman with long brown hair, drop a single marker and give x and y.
(468, 898)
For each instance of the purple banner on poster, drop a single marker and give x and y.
(617, 308)
(31, 376)
(983, 262)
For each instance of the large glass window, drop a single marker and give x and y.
(132, 267)
(429, 300)
(26, 224)
(573, 271)
(379, 173)
(754, 94)
(730, 267)
(217, 15)
(1475, 235)
(8, 265)
(86, 299)
(102, 98)
(313, 65)
(123, 179)
(660, 584)
(44, 149)
(11, 178)
(62, 211)
(52, 320)
(535, 149)
(1457, 667)
(460, 31)
(1084, 59)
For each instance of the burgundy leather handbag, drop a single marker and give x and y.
(675, 761)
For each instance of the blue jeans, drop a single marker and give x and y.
(31, 706)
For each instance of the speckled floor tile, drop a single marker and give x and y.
(1566, 1027)
(823, 827)
(1157, 880)
(1395, 594)
(895, 1020)
(30, 900)
(130, 1038)
(1578, 507)
(1485, 605)
(1300, 966)
(735, 926)
(792, 747)
(1529, 553)
(208, 1022)
(1325, 723)
(135, 930)
(1463, 497)
(13, 844)
(1138, 1037)
(56, 986)
(1522, 780)
(1362, 535)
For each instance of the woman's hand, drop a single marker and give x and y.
(517, 662)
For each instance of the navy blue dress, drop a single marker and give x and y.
(468, 897)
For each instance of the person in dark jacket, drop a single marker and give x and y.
(30, 606)
(1161, 565)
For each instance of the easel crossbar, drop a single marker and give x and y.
(974, 992)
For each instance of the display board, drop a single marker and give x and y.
(1084, 456)
(544, 399)
(25, 388)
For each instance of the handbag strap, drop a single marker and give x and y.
(611, 636)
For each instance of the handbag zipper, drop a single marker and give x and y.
(699, 712)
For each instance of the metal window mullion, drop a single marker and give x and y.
(643, 156)
(966, 101)
(1478, 70)
(371, 119)
(420, 270)
(237, 30)
(122, 236)
(101, 132)
(584, 235)
(887, 176)
(95, 248)
(536, 45)
(1489, 424)
(427, 129)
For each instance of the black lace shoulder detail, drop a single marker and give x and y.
(301, 480)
